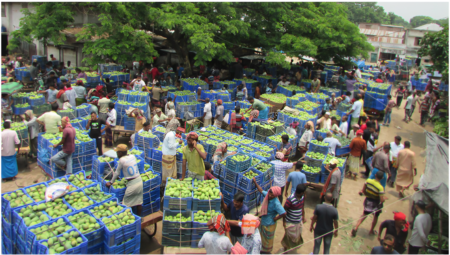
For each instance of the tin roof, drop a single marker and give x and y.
(376, 32)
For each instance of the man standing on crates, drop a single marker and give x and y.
(134, 194)
(68, 146)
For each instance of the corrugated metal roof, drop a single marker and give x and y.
(376, 32)
(430, 27)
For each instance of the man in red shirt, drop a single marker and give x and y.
(63, 159)
(208, 175)
(155, 73)
(379, 80)
(357, 147)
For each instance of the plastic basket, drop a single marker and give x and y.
(230, 176)
(71, 114)
(312, 177)
(314, 162)
(125, 232)
(342, 150)
(205, 205)
(37, 101)
(41, 109)
(175, 203)
(94, 237)
(238, 166)
(129, 123)
(152, 195)
(127, 248)
(247, 184)
(21, 110)
(173, 227)
(152, 183)
(318, 148)
(176, 240)
(83, 112)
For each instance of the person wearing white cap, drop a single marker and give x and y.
(333, 182)
(324, 122)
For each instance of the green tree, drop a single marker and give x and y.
(397, 20)
(418, 21)
(211, 29)
(365, 12)
(435, 45)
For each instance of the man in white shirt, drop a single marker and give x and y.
(358, 73)
(396, 147)
(332, 143)
(111, 120)
(409, 100)
(283, 82)
(344, 126)
(324, 122)
(421, 229)
(356, 110)
(103, 107)
(137, 83)
(207, 115)
(9, 161)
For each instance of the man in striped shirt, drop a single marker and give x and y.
(373, 204)
(293, 222)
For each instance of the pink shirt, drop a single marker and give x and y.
(9, 139)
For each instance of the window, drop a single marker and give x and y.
(417, 41)
(427, 60)
(368, 26)
(24, 5)
(3, 10)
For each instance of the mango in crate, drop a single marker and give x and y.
(106, 209)
(316, 142)
(37, 192)
(179, 218)
(78, 200)
(17, 198)
(47, 231)
(59, 244)
(206, 193)
(97, 194)
(250, 174)
(57, 208)
(204, 217)
(311, 169)
(240, 158)
(119, 220)
(120, 184)
(104, 159)
(79, 180)
(148, 176)
(178, 188)
(84, 222)
(315, 155)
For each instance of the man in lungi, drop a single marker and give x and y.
(9, 161)
(128, 165)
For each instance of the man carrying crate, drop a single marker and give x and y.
(134, 194)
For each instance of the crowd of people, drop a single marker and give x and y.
(392, 163)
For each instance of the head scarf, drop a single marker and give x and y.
(219, 223)
(265, 204)
(172, 126)
(279, 155)
(401, 216)
(60, 92)
(249, 224)
(219, 101)
(80, 83)
(253, 114)
(220, 148)
(29, 113)
(311, 126)
(67, 120)
(193, 135)
(359, 132)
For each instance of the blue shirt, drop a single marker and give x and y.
(273, 209)
(180, 70)
(346, 100)
(237, 215)
(326, 107)
(296, 178)
(51, 95)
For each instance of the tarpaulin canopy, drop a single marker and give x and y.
(10, 87)
(434, 181)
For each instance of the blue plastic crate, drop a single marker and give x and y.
(7, 229)
(98, 168)
(312, 177)
(198, 227)
(229, 175)
(146, 143)
(318, 148)
(120, 193)
(176, 240)
(152, 183)
(37, 101)
(236, 166)
(157, 167)
(20, 111)
(247, 184)
(98, 249)
(150, 208)
(129, 123)
(126, 248)
(229, 187)
(173, 227)
(206, 205)
(6, 206)
(83, 112)
(175, 203)
(342, 150)
(125, 232)
(94, 237)
(7, 245)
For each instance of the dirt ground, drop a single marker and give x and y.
(350, 204)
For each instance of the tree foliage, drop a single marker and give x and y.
(365, 12)
(211, 29)
(435, 45)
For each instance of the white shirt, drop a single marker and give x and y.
(169, 146)
(112, 117)
(71, 96)
(409, 102)
(332, 143)
(358, 73)
(207, 110)
(327, 124)
(252, 243)
(344, 128)
(422, 227)
(306, 137)
(128, 166)
(9, 139)
(138, 85)
(370, 147)
(395, 149)
(409, 87)
(357, 105)
(33, 127)
(283, 83)
(215, 243)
